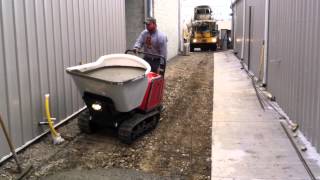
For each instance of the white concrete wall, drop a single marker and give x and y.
(167, 14)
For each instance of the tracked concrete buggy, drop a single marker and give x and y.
(120, 92)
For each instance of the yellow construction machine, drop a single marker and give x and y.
(204, 33)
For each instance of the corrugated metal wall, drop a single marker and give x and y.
(293, 75)
(238, 27)
(38, 40)
(256, 37)
(255, 26)
(293, 70)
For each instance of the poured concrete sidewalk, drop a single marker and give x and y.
(248, 143)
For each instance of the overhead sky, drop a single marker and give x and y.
(221, 8)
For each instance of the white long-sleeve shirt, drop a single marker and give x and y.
(155, 43)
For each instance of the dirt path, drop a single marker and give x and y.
(180, 147)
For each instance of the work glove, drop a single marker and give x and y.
(135, 50)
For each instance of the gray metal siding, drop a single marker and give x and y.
(3, 88)
(38, 40)
(293, 57)
(257, 34)
(238, 27)
(293, 68)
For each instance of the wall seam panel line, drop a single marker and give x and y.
(113, 27)
(74, 90)
(293, 62)
(118, 25)
(85, 29)
(75, 52)
(46, 46)
(69, 57)
(107, 20)
(97, 17)
(80, 44)
(318, 74)
(124, 24)
(4, 88)
(63, 75)
(37, 54)
(94, 32)
(81, 41)
(17, 70)
(305, 73)
(85, 34)
(5, 70)
(55, 64)
(62, 60)
(314, 74)
(103, 26)
(94, 21)
(29, 71)
(91, 30)
(310, 76)
(86, 23)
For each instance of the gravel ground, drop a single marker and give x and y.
(179, 148)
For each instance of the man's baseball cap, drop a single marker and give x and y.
(149, 20)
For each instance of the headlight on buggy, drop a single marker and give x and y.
(96, 107)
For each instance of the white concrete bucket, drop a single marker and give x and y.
(120, 77)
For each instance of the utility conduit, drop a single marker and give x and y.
(57, 139)
(27, 144)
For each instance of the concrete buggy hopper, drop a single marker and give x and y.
(120, 92)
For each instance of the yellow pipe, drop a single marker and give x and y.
(52, 130)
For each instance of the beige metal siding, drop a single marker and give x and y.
(38, 40)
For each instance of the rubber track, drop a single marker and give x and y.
(126, 128)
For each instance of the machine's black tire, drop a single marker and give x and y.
(84, 122)
(204, 48)
(213, 47)
(191, 49)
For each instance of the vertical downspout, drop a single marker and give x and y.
(243, 28)
(234, 25)
(146, 9)
(149, 8)
(266, 44)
